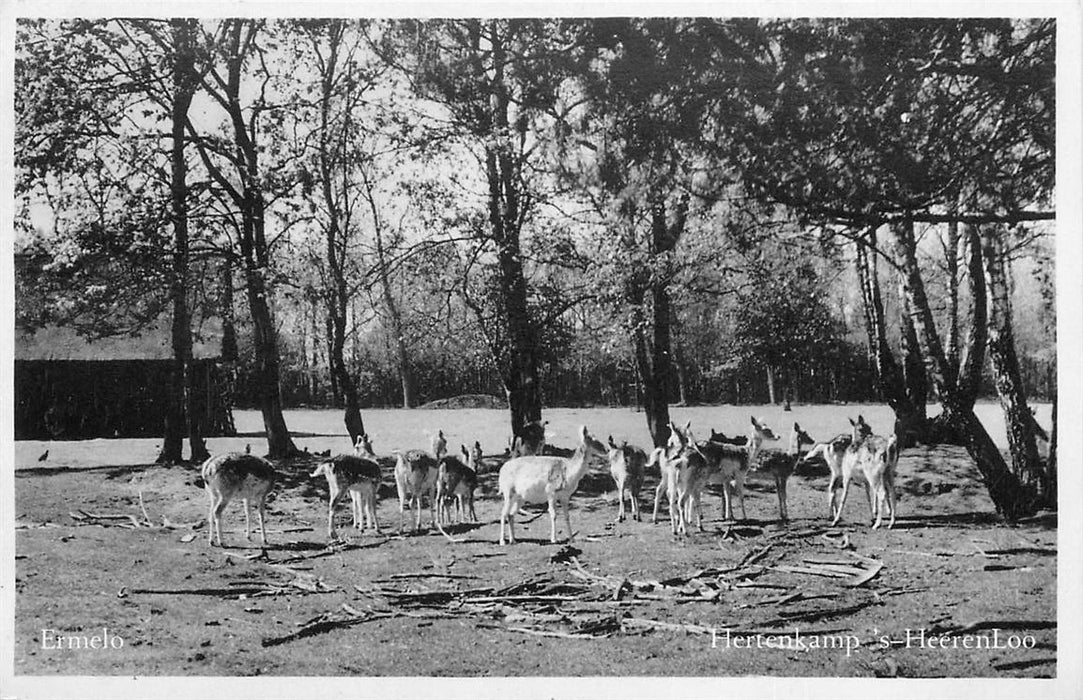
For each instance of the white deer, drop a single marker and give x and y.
(237, 475)
(540, 479)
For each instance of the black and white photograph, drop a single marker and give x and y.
(541, 350)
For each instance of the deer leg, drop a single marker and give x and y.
(331, 501)
(842, 500)
(355, 509)
(658, 498)
(262, 528)
(505, 519)
(432, 508)
(878, 498)
(832, 489)
(674, 513)
(552, 519)
(740, 482)
(373, 520)
(211, 520)
(889, 483)
(247, 526)
(785, 499)
(869, 496)
(566, 503)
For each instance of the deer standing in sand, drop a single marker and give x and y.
(875, 457)
(354, 475)
(540, 479)
(237, 475)
(415, 479)
(626, 466)
(456, 480)
(781, 465)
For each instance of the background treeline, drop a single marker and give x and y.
(382, 212)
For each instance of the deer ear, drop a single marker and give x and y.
(851, 420)
(611, 443)
(583, 432)
(688, 426)
(796, 427)
(464, 450)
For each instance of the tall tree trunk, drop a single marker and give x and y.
(1006, 491)
(181, 416)
(255, 254)
(394, 319)
(1008, 379)
(266, 375)
(914, 376)
(684, 391)
(229, 327)
(656, 372)
(953, 249)
(1050, 489)
(657, 390)
(909, 422)
(333, 158)
(503, 169)
(973, 360)
(771, 398)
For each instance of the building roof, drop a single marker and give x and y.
(152, 343)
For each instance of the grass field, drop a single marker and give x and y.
(630, 599)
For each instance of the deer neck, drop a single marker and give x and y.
(575, 467)
(755, 441)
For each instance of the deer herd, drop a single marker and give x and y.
(686, 466)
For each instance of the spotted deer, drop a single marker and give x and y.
(415, 479)
(729, 464)
(832, 452)
(237, 475)
(781, 465)
(456, 480)
(626, 466)
(667, 483)
(875, 457)
(688, 474)
(354, 475)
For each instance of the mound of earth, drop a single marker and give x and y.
(468, 401)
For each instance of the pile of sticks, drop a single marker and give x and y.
(572, 602)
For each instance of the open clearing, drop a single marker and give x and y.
(629, 599)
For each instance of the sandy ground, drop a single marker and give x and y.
(629, 600)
